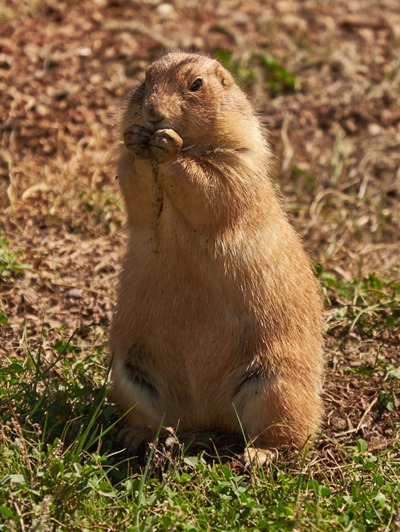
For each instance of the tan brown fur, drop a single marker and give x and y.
(219, 313)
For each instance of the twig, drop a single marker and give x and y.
(363, 21)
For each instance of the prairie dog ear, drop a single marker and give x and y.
(224, 76)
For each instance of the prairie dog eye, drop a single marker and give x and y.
(196, 85)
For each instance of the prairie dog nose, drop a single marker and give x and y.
(152, 113)
(152, 107)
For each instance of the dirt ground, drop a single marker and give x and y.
(64, 67)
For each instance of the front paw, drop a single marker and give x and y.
(136, 139)
(165, 144)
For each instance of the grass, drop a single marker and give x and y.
(59, 471)
(9, 262)
(277, 80)
(61, 466)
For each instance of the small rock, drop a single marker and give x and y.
(76, 293)
(339, 423)
(374, 129)
(165, 10)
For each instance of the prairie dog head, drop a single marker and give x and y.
(195, 96)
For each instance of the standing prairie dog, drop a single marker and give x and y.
(218, 321)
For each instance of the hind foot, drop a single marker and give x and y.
(254, 457)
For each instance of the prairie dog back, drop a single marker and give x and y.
(218, 313)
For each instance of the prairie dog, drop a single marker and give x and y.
(218, 316)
